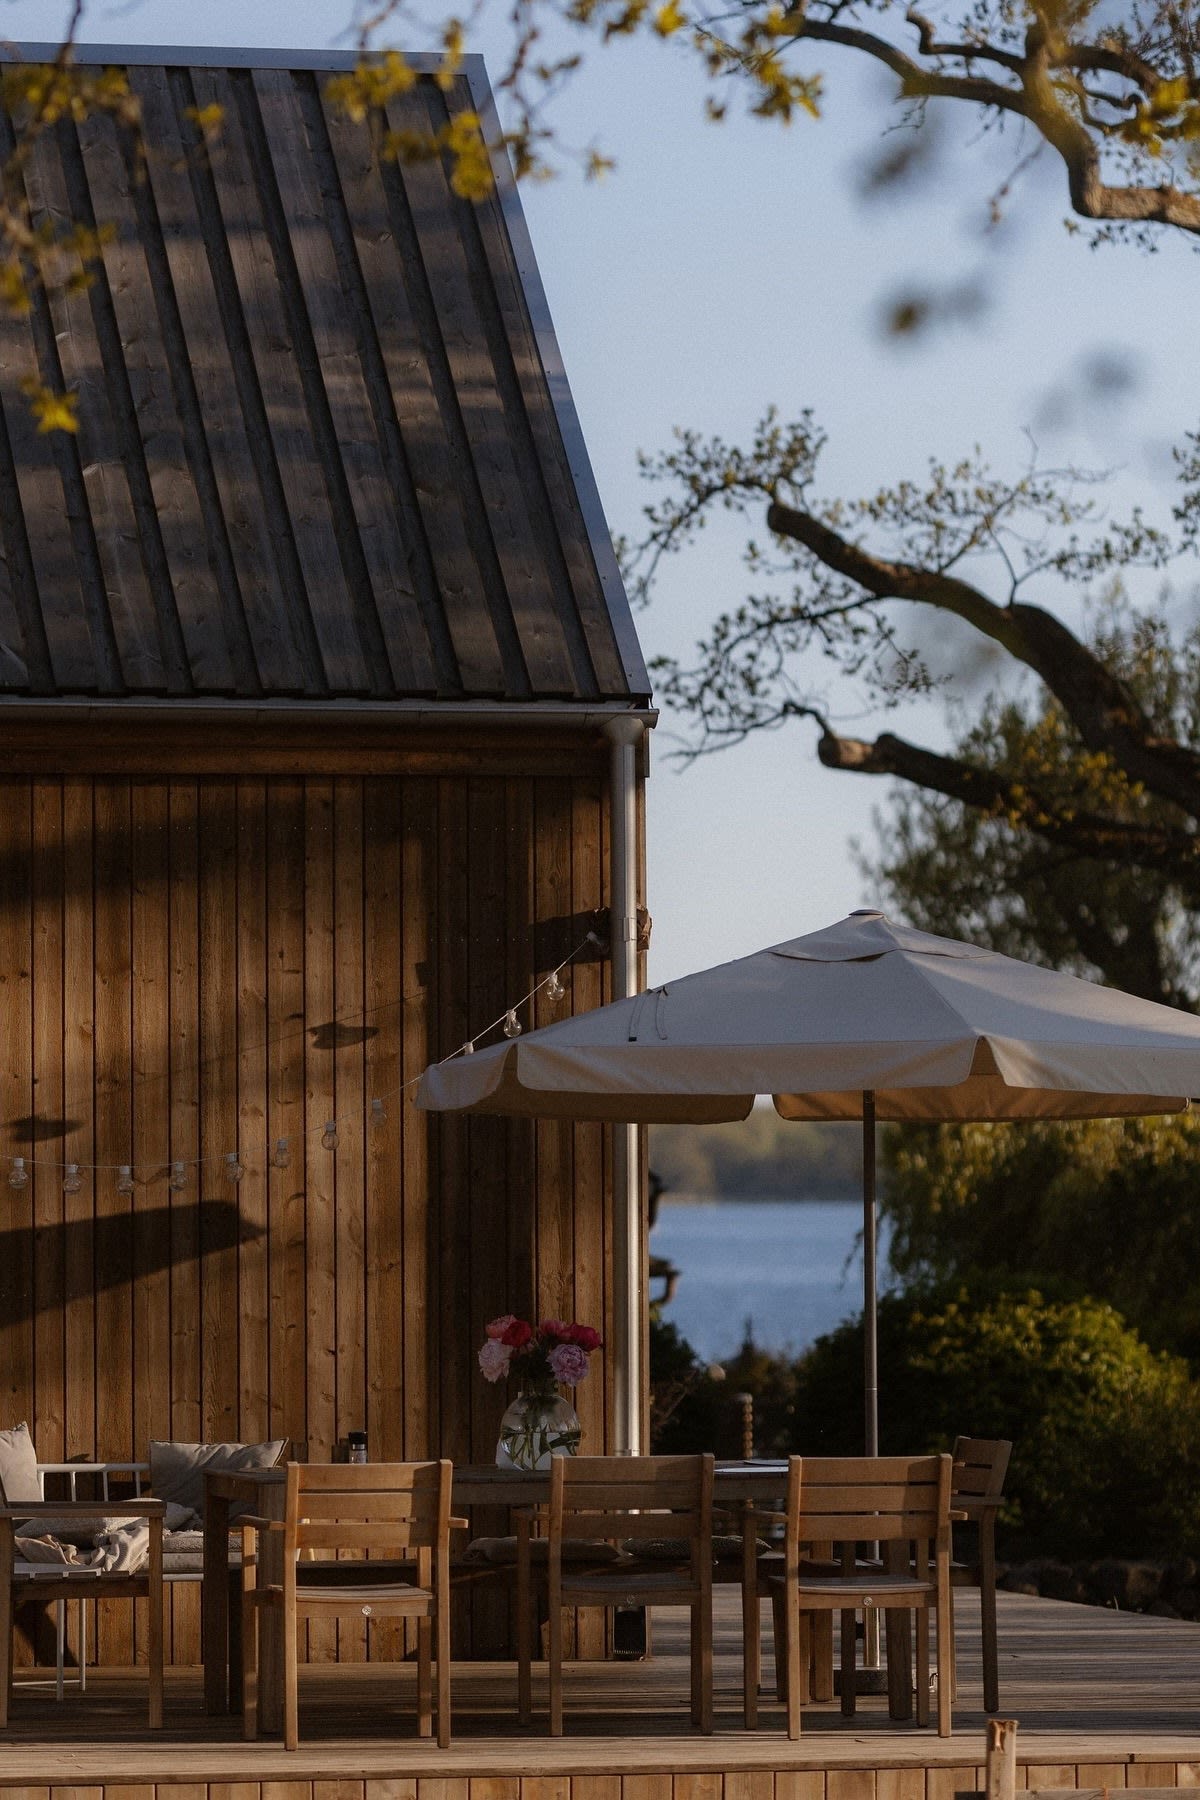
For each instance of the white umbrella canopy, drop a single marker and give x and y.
(863, 1020)
(932, 1028)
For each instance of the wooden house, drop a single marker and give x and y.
(311, 647)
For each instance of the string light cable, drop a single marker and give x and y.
(374, 1111)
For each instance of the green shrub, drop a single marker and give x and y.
(1107, 1207)
(1106, 1432)
(693, 1409)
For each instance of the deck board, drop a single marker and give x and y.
(1090, 1687)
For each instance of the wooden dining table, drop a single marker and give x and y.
(740, 1488)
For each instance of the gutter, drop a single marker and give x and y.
(376, 714)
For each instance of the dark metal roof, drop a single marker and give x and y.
(325, 446)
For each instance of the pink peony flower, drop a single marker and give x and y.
(499, 1326)
(517, 1334)
(494, 1360)
(556, 1328)
(568, 1363)
(585, 1336)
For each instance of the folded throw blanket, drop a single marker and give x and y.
(120, 1546)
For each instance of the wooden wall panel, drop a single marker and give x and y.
(196, 966)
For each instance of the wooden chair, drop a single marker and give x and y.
(900, 1503)
(655, 1514)
(977, 1490)
(59, 1582)
(401, 1510)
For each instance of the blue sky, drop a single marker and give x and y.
(724, 267)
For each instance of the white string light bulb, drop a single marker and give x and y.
(72, 1181)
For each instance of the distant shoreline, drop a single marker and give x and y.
(811, 1197)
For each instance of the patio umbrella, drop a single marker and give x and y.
(864, 1020)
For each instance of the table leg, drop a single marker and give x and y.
(899, 1641)
(751, 1627)
(214, 1606)
(270, 1618)
(7, 1552)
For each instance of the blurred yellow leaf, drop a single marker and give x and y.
(53, 411)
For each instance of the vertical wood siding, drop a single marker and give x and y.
(190, 967)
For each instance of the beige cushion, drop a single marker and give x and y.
(177, 1470)
(18, 1467)
(504, 1550)
(680, 1549)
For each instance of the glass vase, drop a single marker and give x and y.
(538, 1425)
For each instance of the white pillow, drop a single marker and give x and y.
(18, 1467)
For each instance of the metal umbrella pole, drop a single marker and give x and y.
(871, 1651)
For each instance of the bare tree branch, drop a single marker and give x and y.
(1086, 833)
(1101, 706)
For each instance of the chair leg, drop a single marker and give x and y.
(249, 1612)
(751, 1643)
(849, 1695)
(898, 1633)
(796, 1636)
(779, 1605)
(922, 1676)
(6, 1628)
(821, 1656)
(291, 1722)
(424, 1678)
(704, 1607)
(945, 1637)
(238, 1582)
(443, 1676)
(953, 1648)
(524, 1648)
(554, 1655)
(156, 1658)
(60, 1647)
(83, 1646)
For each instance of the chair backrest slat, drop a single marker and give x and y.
(980, 1465)
(868, 1499)
(373, 1506)
(613, 1498)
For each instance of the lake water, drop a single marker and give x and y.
(793, 1268)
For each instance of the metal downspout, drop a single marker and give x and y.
(625, 734)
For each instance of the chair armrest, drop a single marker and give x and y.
(249, 1521)
(970, 1506)
(93, 1468)
(140, 1507)
(460, 1524)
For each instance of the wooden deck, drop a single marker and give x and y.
(1103, 1699)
